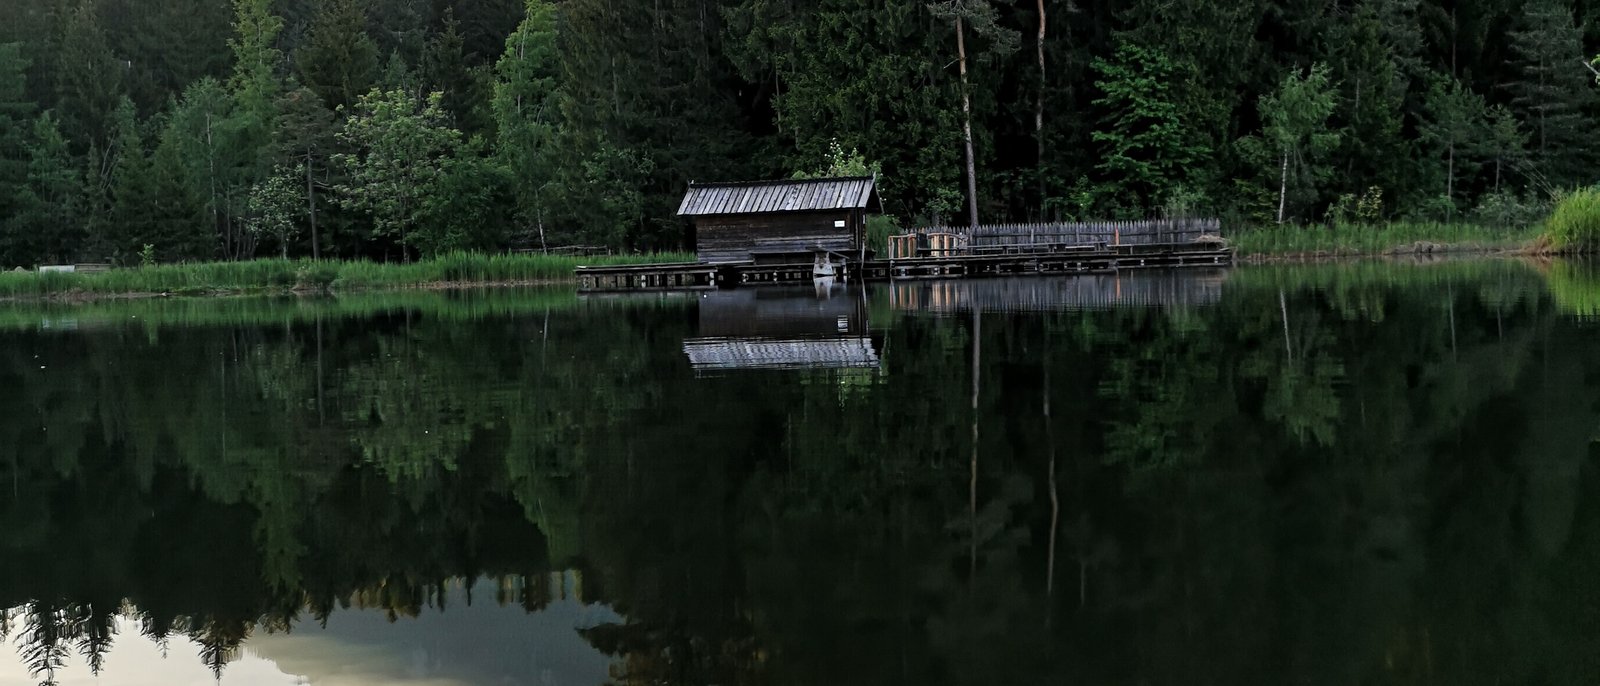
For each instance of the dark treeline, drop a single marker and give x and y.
(202, 129)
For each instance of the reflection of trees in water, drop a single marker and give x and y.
(1345, 480)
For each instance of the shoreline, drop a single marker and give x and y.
(77, 297)
(1419, 250)
(67, 294)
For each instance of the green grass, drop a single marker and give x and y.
(1574, 225)
(1374, 239)
(278, 275)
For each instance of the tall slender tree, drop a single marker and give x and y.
(1295, 133)
(525, 107)
(984, 20)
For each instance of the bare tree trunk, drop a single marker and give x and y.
(966, 128)
(1450, 174)
(1038, 109)
(542, 247)
(1283, 186)
(311, 209)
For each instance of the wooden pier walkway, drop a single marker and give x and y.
(988, 251)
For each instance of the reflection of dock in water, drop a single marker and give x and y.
(821, 327)
(1140, 289)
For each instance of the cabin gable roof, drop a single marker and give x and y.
(790, 195)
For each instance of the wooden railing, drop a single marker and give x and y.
(1009, 237)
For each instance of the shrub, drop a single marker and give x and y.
(1574, 225)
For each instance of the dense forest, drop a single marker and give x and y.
(199, 129)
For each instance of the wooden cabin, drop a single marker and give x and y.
(780, 221)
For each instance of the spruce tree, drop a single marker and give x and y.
(1554, 95)
(130, 224)
(1455, 125)
(444, 69)
(1371, 107)
(53, 219)
(89, 79)
(338, 60)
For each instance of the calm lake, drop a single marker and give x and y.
(1368, 473)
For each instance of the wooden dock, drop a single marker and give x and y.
(940, 253)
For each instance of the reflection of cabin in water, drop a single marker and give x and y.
(780, 221)
(821, 327)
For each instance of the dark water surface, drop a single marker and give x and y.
(1310, 475)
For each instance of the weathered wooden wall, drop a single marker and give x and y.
(734, 237)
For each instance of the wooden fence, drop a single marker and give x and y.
(1009, 237)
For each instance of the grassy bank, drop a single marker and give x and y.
(155, 314)
(1347, 240)
(280, 276)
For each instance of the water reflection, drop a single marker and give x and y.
(454, 642)
(824, 327)
(1311, 475)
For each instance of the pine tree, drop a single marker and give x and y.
(1371, 106)
(1553, 94)
(53, 220)
(88, 78)
(338, 60)
(1455, 125)
(306, 137)
(984, 20)
(444, 68)
(179, 227)
(130, 222)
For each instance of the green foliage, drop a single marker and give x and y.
(840, 163)
(1145, 150)
(274, 207)
(1574, 224)
(403, 150)
(526, 108)
(338, 60)
(1295, 137)
(1554, 98)
(879, 229)
(49, 222)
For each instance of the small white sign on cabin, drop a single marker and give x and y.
(838, 223)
